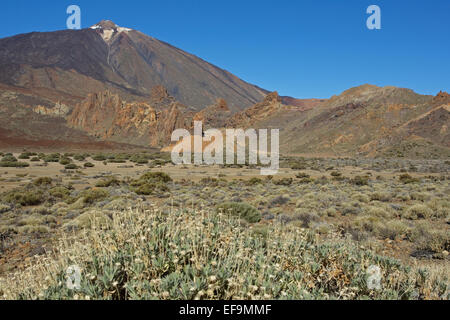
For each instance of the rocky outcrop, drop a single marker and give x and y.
(441, 98)
(258, 112)
(105, 116)
(215, 116)
(59, 110)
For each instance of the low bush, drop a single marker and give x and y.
(406, 179)
(9, 161)
(381, 196)
(426, 238)
(151, 183)
(9, 158)
(418, 211)
(283, 182)
(298, 166)
(99, 157)
(13, 164)
(155, 177)
(108, 182)
(43, 181)
(65, 161)
(24, 197)
(302, 175)
(80, 157)
(254, 181)
(360, 181)
(25, 155)
(54, 157)
(336, 174)
(144, 255)
(94, 195)
(60, 192)
(241, 210)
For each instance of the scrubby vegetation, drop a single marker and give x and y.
(146, 254)
(9, 161)
(240, 210)
(151, 183)
(224, 232)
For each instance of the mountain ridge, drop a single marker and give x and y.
(128, 62)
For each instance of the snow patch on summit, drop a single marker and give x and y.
(108, 29)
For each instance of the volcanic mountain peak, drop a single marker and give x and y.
(108, 29)
(68, 65)
(108, 25)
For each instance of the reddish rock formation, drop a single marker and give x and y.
(106, 117)
(441, 98)
(271, 104)
(215, 116)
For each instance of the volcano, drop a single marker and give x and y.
(65, 66)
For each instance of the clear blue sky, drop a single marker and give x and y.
(310, 48)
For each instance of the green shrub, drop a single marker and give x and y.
(254, 181)
(43, 181)
(108, 182)
(24, 156)
(302, 175)
(4, 208)
(406, 179)
(24, 197)
(54, 157)
(306, 180)
(14, 164)
(336, 174)
(65, 161)
(418, 211)
(9, 161)
(99, 157)
(71, 166)
(79, 157)
(298, 166)
(89, 165)
(322, 180)
(380, 196)
(9, 158)
(241, 210)
(117, 161)
(360, 181)
(151, 183)
(60, 192)
(283, 182)
(426, 238)
(155, 177)
(91, 196)
(141, 161)
(392, 230)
